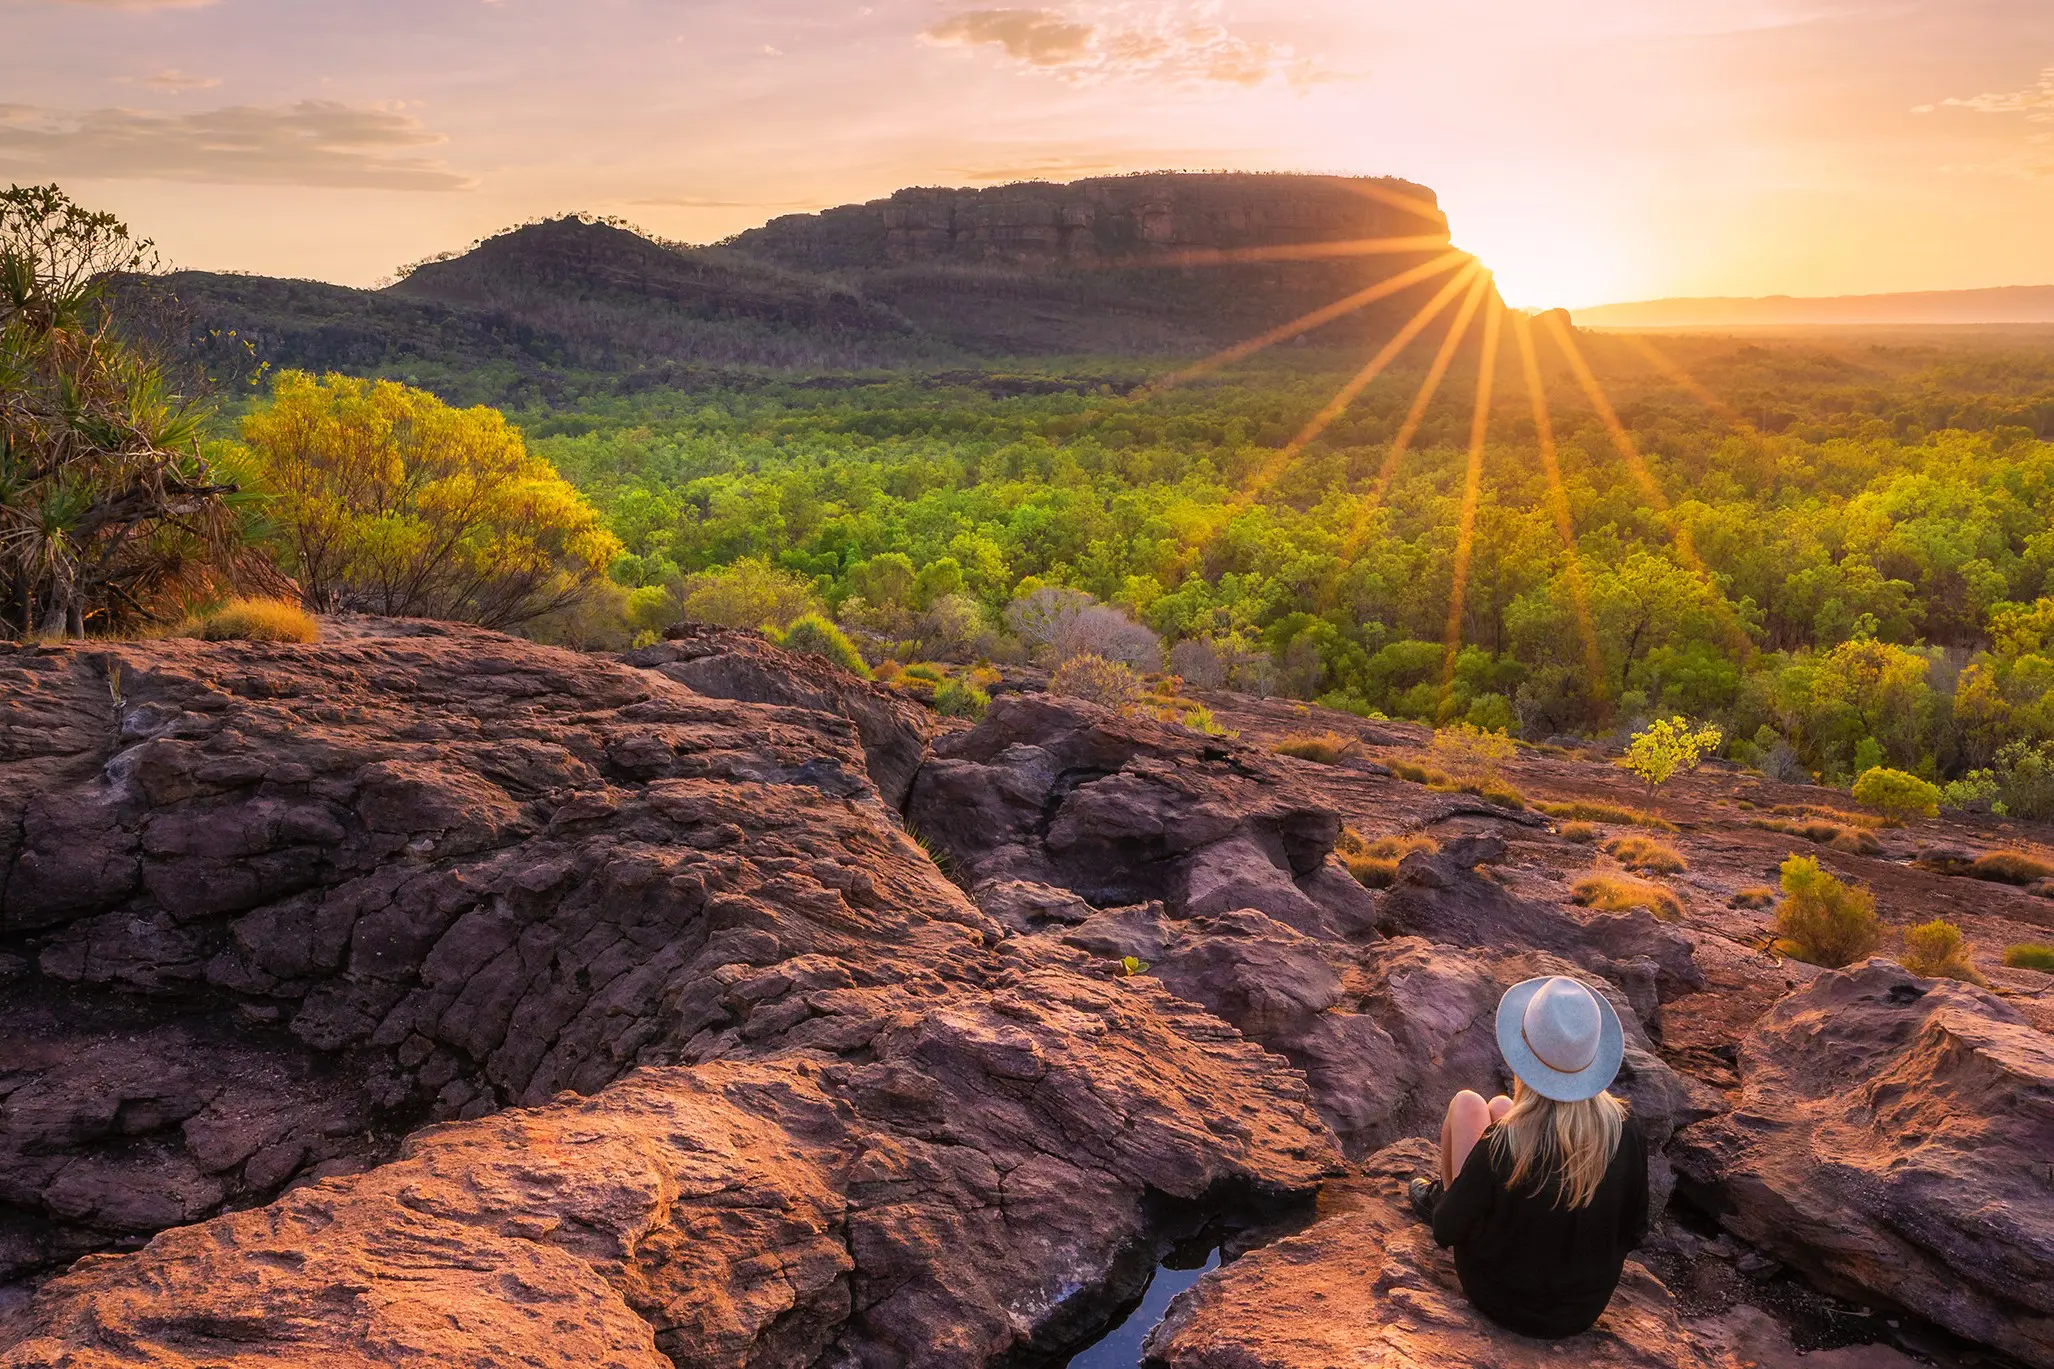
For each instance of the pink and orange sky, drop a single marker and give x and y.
(1589, 150)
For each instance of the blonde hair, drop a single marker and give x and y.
(1568, 1146)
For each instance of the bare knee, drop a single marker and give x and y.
(1501, 1107)
(1469, 1106)
(1468, 1117)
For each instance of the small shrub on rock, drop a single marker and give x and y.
(1471, 754)
(1613, 894)
(958, 699)
(255, 620)
(1975, 792)
(1645, 854)
(2010, 867)
(2030, 955)
(813, 635)
(1824, 921)
(1757, 898)
(1200, 719)
(1583, 833)
(1936, 950)
(1094, 679)
(1327, 748)
(1897, 793)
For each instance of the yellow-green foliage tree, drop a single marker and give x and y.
(392, 502)
(1667, 748)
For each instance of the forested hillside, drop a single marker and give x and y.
(1875, 521)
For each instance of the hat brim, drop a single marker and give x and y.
(1534, 1072)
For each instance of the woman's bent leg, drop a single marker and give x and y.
(1500, 1106)
(1468, 1117)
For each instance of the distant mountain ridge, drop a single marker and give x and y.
(1163, 264)
(2003, 304)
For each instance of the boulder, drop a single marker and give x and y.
(724, 664)
(1441, 897)
(1123, 811)
(1365, 1285)
(1891, 1141)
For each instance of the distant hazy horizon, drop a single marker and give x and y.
(2013, 304)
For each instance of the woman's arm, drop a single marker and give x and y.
(1633, 1213)
(1468, 1200)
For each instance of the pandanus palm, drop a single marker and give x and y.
(105, 501)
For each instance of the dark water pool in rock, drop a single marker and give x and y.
(1120, 1348)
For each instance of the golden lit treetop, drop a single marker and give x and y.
(394, 503)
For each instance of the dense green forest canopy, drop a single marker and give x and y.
(1869, 512)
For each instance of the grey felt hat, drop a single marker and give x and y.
(1561, 1039)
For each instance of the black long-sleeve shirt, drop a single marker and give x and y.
(1530, 1264)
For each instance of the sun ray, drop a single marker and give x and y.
(1398, 199)
(1428, 388)
(1300, 251)
(1558, 502)
(1629, 452)
(1352, 391)
(1689, 383)
(1479, 287)
(1472, 493)
(1340, 308)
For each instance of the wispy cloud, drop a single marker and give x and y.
(2036, 101)
(128, 4)
(1184, 44)
(172, 81)
(313, 143)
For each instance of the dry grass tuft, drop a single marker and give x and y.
(1646, 855)
(2010, 867)
(2030, 955)
(1583, 833)
(1375, 863)
(1490, 789)
(1327, 748)
(1759, 897)
(1834, 815)
(1854, 841)
(254, 620)
(1613, 894)
(1582, 810)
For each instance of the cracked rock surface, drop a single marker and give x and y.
(426, 996)
(578, 1018)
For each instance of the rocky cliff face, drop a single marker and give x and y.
(1109, 221)
(426, 995)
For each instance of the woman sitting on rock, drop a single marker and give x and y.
(1542, 1194)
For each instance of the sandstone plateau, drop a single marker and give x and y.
(426, 995)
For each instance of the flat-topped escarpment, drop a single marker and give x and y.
(1105, 221)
